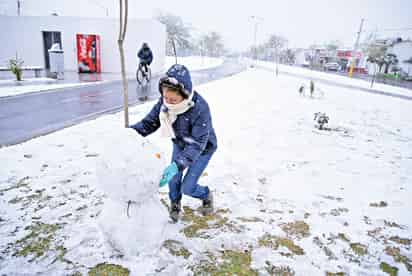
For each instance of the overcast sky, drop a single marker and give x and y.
(303, 22)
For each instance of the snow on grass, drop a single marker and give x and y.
(194, 62)
(289, 198)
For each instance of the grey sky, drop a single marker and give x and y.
(302, 22)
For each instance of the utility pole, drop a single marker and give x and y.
(18, 7)
(353, 59)
(256, 20)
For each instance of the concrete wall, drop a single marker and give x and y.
(24, 35)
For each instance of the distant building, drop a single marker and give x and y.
(302, 57)
(403, 52)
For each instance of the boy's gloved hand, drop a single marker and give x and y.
(168, 174)
(132, 126)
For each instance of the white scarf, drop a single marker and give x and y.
(168, 115)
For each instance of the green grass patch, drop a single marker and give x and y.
(176, 248)
(343, 237)
(359, 249)
(229, 262)
(199, 224)
(299, 229)
(275, 242)
(391, 270)
(400, 240)
(105, 269)
(38, 241)
(398, 257)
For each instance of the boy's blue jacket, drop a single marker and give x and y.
(193, 130)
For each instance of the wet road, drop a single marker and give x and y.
(27, 116)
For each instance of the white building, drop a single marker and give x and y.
(27, 35)
(403, 52)
(302, 57)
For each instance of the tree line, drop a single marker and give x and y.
(182, 42)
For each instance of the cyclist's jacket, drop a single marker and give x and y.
(145, 55)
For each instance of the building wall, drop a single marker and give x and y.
(23, 34)
(403, 51)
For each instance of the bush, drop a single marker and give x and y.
(15, 66)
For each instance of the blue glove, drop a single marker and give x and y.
(132, 126)
(168, 174)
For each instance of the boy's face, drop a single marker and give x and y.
(171, 96)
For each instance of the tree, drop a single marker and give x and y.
(178, 35)
(213, 44)
(376, 54)
(390, 59)
(287, 56)
(333, 45)
(278, 43)
(120, 40)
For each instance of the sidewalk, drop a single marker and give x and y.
(10, 87)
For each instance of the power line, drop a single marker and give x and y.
(390, 29)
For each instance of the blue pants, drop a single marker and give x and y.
(187, 184)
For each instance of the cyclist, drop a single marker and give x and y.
(145, 55)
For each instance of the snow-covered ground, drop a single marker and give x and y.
(345, 80)
(194, 62)
(289, 198)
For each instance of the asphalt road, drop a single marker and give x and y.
(24, 117)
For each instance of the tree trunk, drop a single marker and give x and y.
(373, 77)
(174, 49)
(122, 34)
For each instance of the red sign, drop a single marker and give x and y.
(348, 54)
(88, 53)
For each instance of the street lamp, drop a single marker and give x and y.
(256, 20)
(101, 6)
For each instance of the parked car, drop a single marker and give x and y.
(332, 66)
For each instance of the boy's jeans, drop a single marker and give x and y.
(188, 185)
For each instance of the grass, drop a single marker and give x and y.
(400, 240)
(275, 242)
(359, 249)
(391, 270)
(105, 269)
(229, 262)
(299, 229)
(395, 253)
(38, 241)
(176, 248)
(199, 224)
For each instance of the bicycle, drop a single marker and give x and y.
(143, 77)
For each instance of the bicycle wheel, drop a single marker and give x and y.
(140, 75)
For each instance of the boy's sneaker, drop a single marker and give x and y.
(207, 204)
(175, 210)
